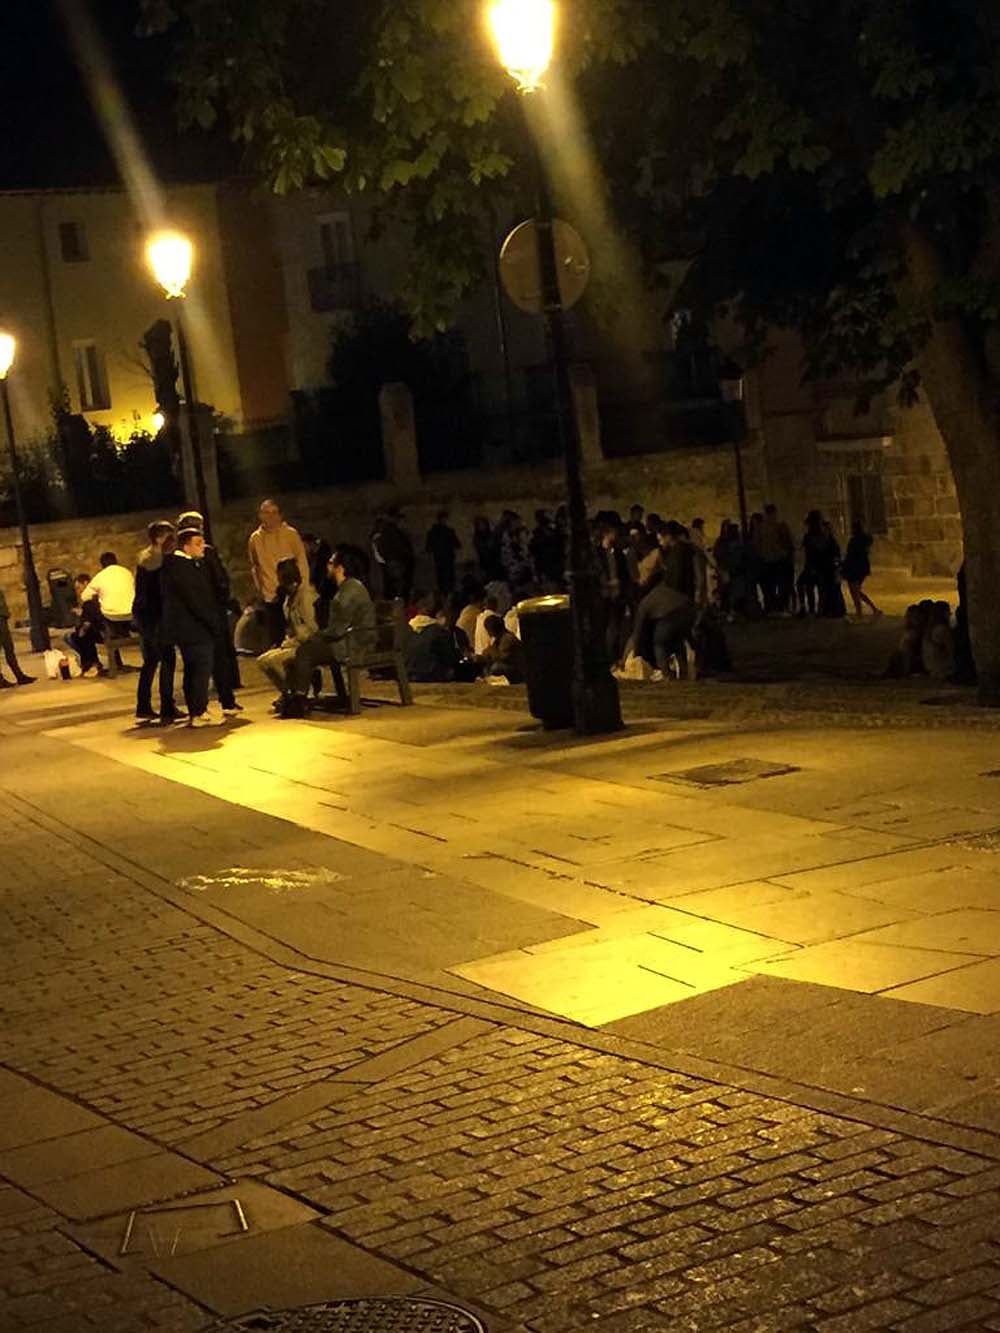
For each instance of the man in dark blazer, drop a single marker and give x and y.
(190, 620)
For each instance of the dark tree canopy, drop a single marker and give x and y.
(832, 166)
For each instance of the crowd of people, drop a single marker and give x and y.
(666, 589)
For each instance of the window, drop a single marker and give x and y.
(866, 501)
(336, 239)
(91, 377)
(73, 242)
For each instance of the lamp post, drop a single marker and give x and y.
(731, 386)
(524, 35)
(40, 641)
(170, 256)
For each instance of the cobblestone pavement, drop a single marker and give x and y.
(554, 1184)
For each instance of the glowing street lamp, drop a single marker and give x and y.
(170, 255)
(171, 258)
(524, 33)
(524, 36)
(40, 641)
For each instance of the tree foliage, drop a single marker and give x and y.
(792, 144)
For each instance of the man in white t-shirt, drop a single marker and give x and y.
(114, 589)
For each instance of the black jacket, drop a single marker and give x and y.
(190, 610)
(147, 608)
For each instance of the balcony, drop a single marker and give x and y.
(335, 287)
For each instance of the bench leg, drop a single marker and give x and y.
(403, 681)
(110, 657)
(354, 684)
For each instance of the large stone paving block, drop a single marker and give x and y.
(202, 1222)
(865, 967)
(29, 1114)
(59, 1159)
(128, 1185)
(299, 1265)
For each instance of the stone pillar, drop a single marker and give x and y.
(399, 437)
(209, 461)
(588, 418)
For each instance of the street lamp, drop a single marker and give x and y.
(170, 256)
(40, 641)
(731, 386)
(523, 33)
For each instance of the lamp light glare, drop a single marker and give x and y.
(158, 421)
(524, 36)
(170, 255)
(8, 349)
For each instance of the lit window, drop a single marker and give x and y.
(73, 242)
(91, 377)
(336, 238)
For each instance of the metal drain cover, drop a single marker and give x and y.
(728, 774)
(401, 1315)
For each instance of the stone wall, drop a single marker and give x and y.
(925, 526)
(683, 484)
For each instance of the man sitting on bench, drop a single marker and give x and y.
(351, 629)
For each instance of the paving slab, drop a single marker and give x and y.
(298, 1265)
(866, 967)
(30, 1114)
(202, 1222)
(91, 1194)
(60, 1159)
(975, 988)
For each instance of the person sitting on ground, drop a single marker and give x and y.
(907, 660)
(938, 645)
(89, 631)
(351, 628)
(9, 652)
(431, 651)
(300, 624)
(481, 636)
(471, 611)
(503, 654)
(114, 590)
(663, 621)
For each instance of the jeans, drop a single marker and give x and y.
(156, 655)
(315, 652)
(197, 659)
(223, 668)
(275, 665)
(669, 635)
(7, 645)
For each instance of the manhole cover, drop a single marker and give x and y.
(403, 1315)
(728, 774)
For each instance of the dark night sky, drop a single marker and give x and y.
(48, 134)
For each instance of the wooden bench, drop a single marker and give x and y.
(388, 654)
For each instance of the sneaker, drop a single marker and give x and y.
(6, 684)
(294, 706)
(657, 677)
(202, 720)
(233, 710)
(22, 679)
(170, 719)
(146, 715)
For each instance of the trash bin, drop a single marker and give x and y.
(546, 628)
(62, 599)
